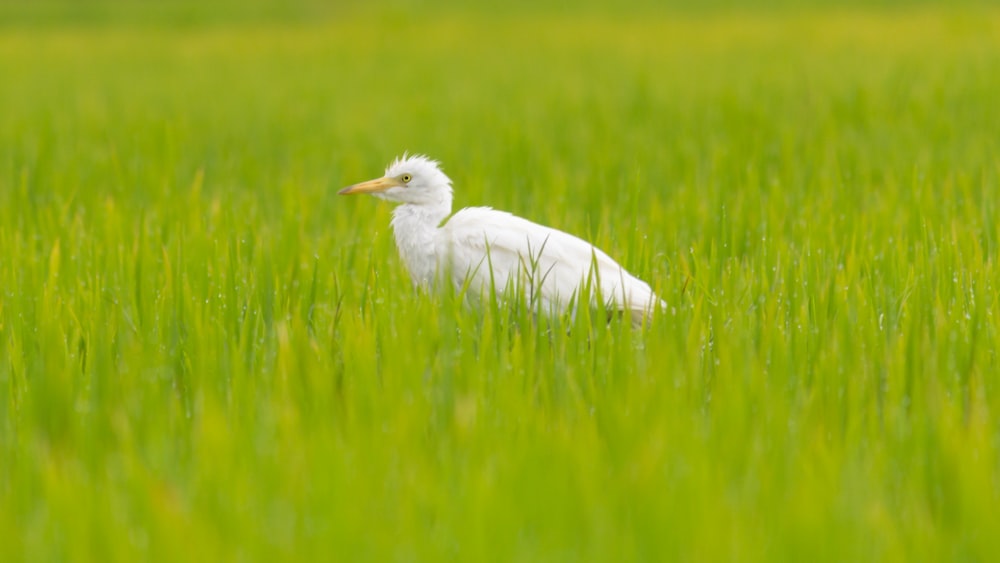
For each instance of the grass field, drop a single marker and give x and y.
(207, 355)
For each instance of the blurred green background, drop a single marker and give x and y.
(207, 355)
(186, 12)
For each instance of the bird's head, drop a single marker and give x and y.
(409, 179)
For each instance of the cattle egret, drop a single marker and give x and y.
(489, 252)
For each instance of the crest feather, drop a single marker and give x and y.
(412, 163)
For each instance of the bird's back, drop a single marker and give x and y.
(557, 267)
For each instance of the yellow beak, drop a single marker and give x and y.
(371, 186)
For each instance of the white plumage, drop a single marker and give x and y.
(487, 250)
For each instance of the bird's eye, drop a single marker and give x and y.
(406, 177)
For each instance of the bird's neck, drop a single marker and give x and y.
(415, 227)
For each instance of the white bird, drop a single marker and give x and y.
(489, 252)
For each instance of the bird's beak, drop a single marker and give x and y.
(371, 186)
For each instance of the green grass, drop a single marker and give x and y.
(205, 354)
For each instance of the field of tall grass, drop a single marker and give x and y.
(207, 355)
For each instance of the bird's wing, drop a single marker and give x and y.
(496, 249)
